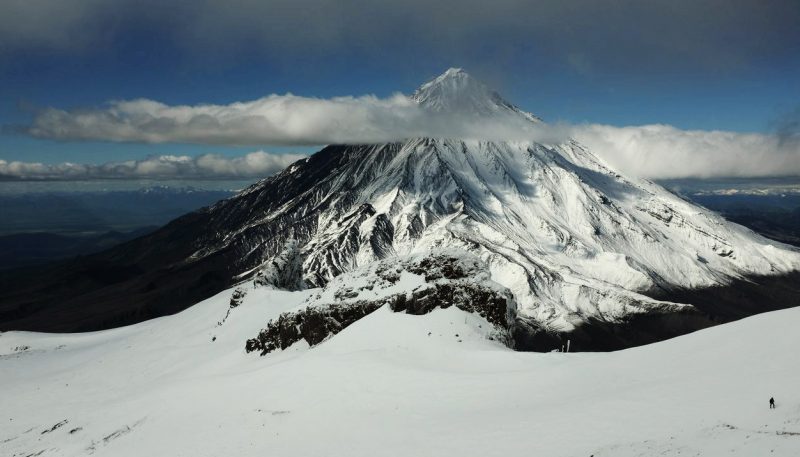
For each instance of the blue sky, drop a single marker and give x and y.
(711, 65)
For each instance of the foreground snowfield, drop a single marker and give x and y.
(393, 384)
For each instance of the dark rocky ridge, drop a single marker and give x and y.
(316, 324)
(313, 325)
(449, 282)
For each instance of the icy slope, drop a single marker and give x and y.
(393, 385)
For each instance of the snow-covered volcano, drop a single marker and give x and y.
(565, 240)
(572, 240)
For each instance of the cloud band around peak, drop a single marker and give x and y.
(651, 151)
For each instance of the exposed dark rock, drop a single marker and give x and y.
(237, 297)
(439, 267)
(488, 303)
(316, 323)
(313, 325)
(56, 426)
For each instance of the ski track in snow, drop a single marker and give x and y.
(393, 384)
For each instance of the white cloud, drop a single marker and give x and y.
(652, 151)
(252, 165)
(278, 120)
(663, 151)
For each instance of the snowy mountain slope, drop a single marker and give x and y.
(571, 239)
(390, 385)
(455, 91)
(576, 244)
(418, 284)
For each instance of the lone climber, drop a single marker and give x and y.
(771, 403)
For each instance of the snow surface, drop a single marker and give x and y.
(393, 384)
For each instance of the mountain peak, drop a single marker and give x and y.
(453, 72)
(456, 91)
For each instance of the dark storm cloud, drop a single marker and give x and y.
(621, 35)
